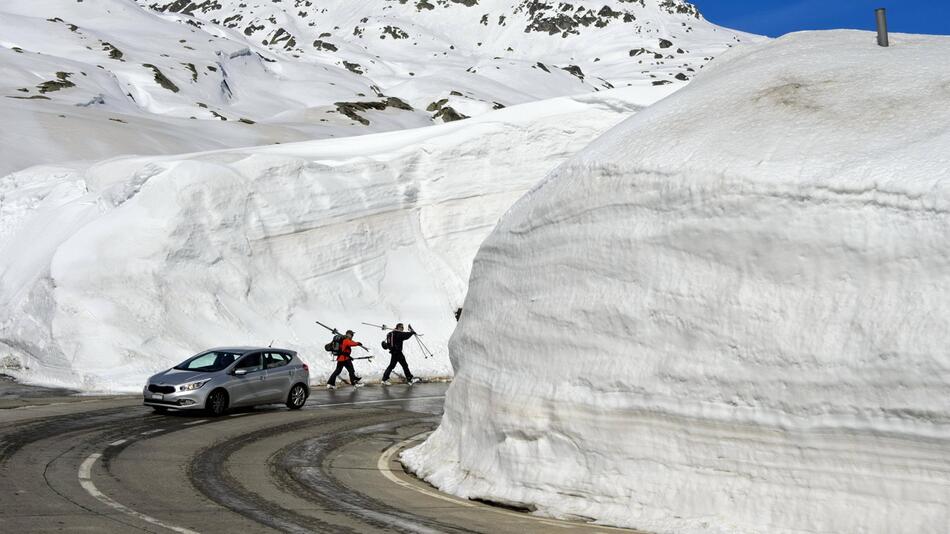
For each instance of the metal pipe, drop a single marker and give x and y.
(881, 26)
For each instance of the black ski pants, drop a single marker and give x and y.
(395, 357)
(346, 364)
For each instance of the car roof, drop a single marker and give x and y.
(246, 349)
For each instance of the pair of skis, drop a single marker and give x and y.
(426, 353)
(337, 332)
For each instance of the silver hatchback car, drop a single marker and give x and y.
(229, 377)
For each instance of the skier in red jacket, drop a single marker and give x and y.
(344, 360)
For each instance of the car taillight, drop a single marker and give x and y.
(306, 368)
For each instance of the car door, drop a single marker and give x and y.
(248, 388)
(277, 376)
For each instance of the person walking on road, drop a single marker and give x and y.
(394, 340)
(344, 360)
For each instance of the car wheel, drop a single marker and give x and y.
(217, 402)
(160, 409)
(297, 397)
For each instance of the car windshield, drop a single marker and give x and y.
(208, 362)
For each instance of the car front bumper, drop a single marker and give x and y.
(178, 400)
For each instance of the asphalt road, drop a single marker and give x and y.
(104, 465)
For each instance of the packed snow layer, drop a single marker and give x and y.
(729, 313)
(113, 271)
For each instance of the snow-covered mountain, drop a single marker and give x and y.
(94, 79)
(728, 314)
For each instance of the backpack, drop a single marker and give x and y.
(385, 344)
(335, 347)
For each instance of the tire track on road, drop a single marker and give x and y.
(209, 474)
(302, 464)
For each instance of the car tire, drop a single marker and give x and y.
(217, 403)
(297, 397)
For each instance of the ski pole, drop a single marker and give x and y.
(425, 349)
(422, 347)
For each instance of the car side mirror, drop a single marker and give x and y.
(240, 372)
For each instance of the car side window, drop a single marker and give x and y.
(251, 362)
(275, 359)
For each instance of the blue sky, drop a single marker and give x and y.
(776, 17)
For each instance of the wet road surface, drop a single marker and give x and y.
(104, 465)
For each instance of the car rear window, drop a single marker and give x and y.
(275, 359)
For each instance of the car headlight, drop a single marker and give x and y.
(193, 385)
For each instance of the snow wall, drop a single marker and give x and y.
(114, 272)
(729, 313)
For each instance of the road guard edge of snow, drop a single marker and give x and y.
(382, 465)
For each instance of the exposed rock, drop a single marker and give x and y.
(323, 45)
(352, 109)
(575, 70)
(353, 67)
(114, 53)
(161, 79)
(435, 106)
(394, 32)
(194, 71)
(61, 82)
(447, 114)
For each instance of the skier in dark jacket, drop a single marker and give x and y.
(344, 360)
(394, 340)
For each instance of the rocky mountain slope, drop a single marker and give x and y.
(84, 79)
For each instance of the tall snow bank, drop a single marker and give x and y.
(728, 314)
(111, 273)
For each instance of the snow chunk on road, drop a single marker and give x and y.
(729, 313)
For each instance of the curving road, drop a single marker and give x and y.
(108, 465)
